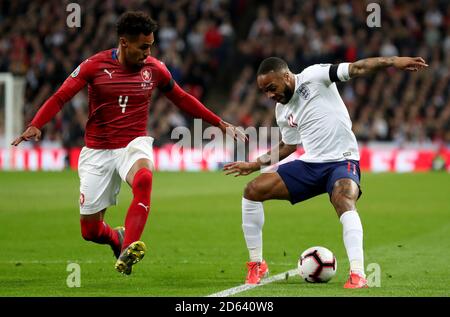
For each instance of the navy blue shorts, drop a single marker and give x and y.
(305, 180)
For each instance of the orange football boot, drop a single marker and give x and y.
(256, 271)
(356, 281)
(263, 269)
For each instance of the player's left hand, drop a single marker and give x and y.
(240, 168)
(30, 133)
(410, 63)
(230, 129)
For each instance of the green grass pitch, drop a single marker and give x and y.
(195, 243)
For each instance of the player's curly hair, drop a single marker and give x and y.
(271, 64)
(133, 23)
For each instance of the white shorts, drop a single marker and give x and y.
(101, 173)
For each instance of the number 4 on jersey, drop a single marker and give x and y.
(123, 103)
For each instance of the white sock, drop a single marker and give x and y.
(252, 224)
(353, 240)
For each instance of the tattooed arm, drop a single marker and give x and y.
(245, 168)
(370, 65)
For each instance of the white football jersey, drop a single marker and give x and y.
(317, 117)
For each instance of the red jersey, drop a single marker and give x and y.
(119, 99)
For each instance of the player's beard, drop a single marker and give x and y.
(137, 63)
(141, 62)
(137, 66)
(287, 95)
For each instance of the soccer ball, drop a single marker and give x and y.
(317, 265)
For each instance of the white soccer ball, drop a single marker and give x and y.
(317, 265)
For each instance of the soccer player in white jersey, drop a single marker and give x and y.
(310, 111)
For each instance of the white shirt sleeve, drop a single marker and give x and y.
(326, 73)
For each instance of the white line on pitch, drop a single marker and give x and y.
(245, 287)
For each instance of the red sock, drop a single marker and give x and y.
(99, 231)
(140, 207)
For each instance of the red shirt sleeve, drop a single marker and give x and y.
(71, 86)
(182, 99)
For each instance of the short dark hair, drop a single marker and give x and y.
(133, 23)
(271, 64)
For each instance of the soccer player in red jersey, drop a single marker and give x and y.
(120, 84)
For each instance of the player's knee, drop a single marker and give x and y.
(142, 181)
(345, 194)
(90, 230)
(253, 191)
(343, 202)
(88, 235)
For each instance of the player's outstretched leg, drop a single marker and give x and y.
(264, 187)
(94, 229)
(344, 196)
(133, 249)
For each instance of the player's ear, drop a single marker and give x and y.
(123, 42)
(286, 76)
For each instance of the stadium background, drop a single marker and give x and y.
(212, 49)
(196, 247)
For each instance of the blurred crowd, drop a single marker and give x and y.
(214, 47)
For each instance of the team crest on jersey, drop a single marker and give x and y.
(76, 71)
(81, 199)
(303, 91)
(146, 75)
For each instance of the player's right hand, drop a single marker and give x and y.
(410, 63)
(240, 168)
(233, 131)
(30, 133)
